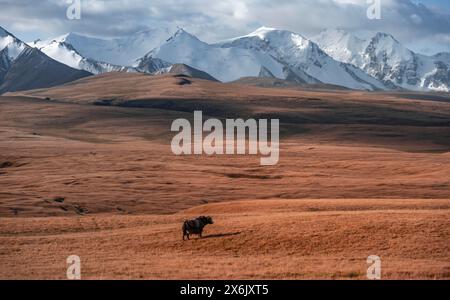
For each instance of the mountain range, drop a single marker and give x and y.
(23, 67)
(303, 59)
(386, 59)
(333, 57)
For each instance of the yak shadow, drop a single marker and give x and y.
(212, 236)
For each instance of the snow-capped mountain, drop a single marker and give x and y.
(444, 57)
(5, 63)
(342, 46)
(386, 59)
(65, 53)
(10, 48)
(33, 69)
(10, 45)
(23, 67)
(119, 51)
(225, 64)
(333, 57)
(304, 58)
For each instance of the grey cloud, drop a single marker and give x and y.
(216, 20)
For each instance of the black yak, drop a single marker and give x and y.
(195, 226)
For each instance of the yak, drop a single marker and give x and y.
(195, 226)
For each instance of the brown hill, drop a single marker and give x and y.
(183, 69)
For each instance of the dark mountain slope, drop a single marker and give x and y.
(33, 69)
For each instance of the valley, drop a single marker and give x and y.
(86, 169)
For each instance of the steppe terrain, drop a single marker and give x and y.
(86, 169)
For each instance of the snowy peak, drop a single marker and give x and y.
(33, 69)
(443, 57)
(63, 52)
(225, 64)
(340, 45)
(337, 35)
(385, 36)
(303, 58)
(333, 57)
(11, 45)
(4, 33)
(385, 58)
(290, 48)
(182, 36)
(386, 45)
(76, 41)
(153, 62)
(122, 51)
(180, 31)
(69, 38)
(276, 37)
(261, 32)
(272, 36)
(348, 48)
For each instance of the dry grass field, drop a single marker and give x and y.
(87, 169)
(254, 239)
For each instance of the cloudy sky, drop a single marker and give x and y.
(423, 25)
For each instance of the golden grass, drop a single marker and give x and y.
(360, 174)
(269, 239)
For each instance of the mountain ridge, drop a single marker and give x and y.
(222, 64)
(334, 57)
(122, 51)
(30, 68)
(385, 58)
(67, 54)
(303, 56)
(45, 72)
